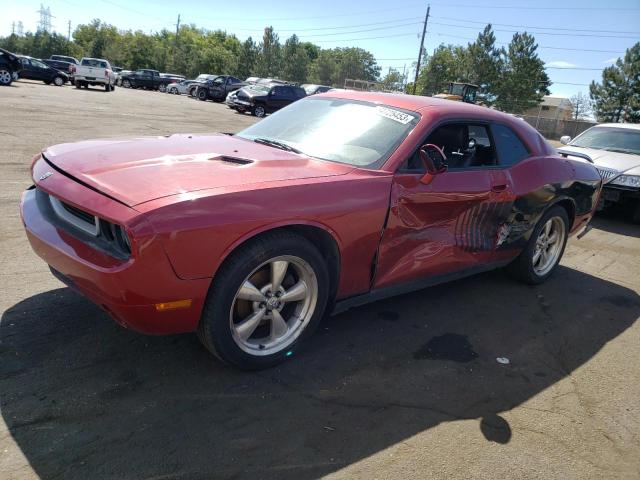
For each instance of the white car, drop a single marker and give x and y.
(179, 88)
(230, 100)
(94, 71)
(614, 149)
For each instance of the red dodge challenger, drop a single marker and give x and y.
(336, 200)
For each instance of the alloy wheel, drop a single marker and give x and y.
(5, 77)
(58, 82)
(548, 246)
(274, 305)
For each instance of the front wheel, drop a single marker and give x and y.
(162, 88)
(202, 95)
(126, 83)
(58, 81)
(266, 299)
(545, 248)
(259, 111)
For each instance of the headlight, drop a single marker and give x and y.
(627, 181)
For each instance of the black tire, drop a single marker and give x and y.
(162, 88)
(85, 85)
(259, 111)
(126, 83)
(107, 87)
(58, 81)
(202, 95)
(522, 267)
(214, 330)
(113, 87)
(6, 77)
(78, 84)
(635, 216)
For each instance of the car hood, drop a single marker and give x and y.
(620, 162)
(135, 171)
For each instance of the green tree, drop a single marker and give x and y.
(393, 80)
(322, 69)
(295, 60)
(247, 58)
(269, 56)
(523, 81)
(617, 98)
(441, 68)
(484, 65)
(355, 63)
(94, 38)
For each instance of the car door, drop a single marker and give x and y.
(450, 224)
(28, 70)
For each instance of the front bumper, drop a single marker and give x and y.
(128, 289)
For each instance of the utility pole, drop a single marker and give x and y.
(69, 31)
(177, 29)
(13, 28)
(424, 31)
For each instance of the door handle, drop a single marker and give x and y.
(501, 187)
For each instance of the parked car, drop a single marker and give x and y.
(10, 67)
(179, 88)
(94, 71)
(312, 89)
(230, 101)
(369, 196)
(146, 78)
(262, 99)
(61, 66)
(218, 88)
(35, 69)
(252, 80)
(120, 74)
(614, 149)
(199, 80)
(65, 58)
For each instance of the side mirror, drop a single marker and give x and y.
(565, 139)
(434, 160)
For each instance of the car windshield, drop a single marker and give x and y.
(339, 130)
(623, 140)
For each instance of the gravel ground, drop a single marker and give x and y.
(82, 398)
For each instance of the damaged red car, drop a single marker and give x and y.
(339, 199)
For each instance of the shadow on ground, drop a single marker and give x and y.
(84, 398)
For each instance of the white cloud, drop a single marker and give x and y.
(561, 64)
(610, 60)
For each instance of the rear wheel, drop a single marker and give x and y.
(5, 77)
(543, 252)
(78, 84)
(126, 83)
(107, 87)
(162, 88)
(58, 81)
(266, 299)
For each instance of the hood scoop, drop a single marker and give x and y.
(232, 160)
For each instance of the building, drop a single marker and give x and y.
(557, 108)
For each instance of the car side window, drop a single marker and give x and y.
(465, 145)
(277, 91)
(510, 149)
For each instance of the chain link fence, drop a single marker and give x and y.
(554, 128)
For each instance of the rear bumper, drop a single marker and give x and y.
(127, 289)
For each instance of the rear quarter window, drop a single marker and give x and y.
(509, 147)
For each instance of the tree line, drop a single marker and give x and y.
(511, 78)
(192, 51)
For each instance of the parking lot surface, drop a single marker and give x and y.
(409, 387)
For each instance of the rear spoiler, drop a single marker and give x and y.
(566, 153)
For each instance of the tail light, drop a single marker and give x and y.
(72, 68)
(106, 73)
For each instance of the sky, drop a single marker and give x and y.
(576, 38)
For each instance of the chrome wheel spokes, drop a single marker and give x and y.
(273, 305)
(548, 246)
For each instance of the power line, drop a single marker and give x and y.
(502, 44)
(362, 31)
(520, 7)
(538, 33)
(530, 26)
(297, 30)
(364, 38)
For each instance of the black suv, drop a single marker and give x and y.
(218, 88)
(263, 99)
(9, 67)
(34, 69)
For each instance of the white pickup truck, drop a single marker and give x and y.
(94, 71)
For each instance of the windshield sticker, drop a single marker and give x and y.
(396, 115)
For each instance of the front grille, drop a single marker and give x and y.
(607, 174)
